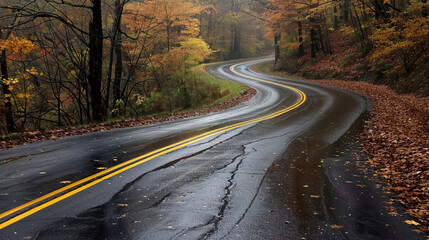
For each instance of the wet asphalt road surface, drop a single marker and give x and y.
(296, 176)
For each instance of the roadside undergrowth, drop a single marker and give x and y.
(230, 94)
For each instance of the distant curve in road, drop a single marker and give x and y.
(215, 176)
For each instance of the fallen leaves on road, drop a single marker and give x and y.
(396, 141)
(337, 226)
(412, 222)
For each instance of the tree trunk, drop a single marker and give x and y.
(313, 43)
(322, 44)
(277, 37)
(346, 10)
(6, 93)
(300, 39)
(115, 53)
(96, 61)
(118, 70)
(335, 18)
(235, 43)
(313, 39)
(209, 26)
(168, 34)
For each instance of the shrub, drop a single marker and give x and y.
(359, 67)
(345, 61)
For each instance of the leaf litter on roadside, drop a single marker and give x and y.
(396, 141)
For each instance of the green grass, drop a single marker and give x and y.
(233, 88)
(230, 88)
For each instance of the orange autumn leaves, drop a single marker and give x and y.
(172, 28)
(15, 45)
(405, 37)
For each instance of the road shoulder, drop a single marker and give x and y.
(395, 139)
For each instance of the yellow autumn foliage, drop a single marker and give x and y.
(16, 45)
(192, 51)
(404, 37)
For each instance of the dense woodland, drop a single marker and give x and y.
(74, 62)
(381, 41)
(67, 63)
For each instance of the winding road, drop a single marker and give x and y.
(285, 165)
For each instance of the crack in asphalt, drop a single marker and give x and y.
(248, 207)
(129, 185)
(227, 195)
(229, 187)
(160, 201)
(211, 221)
(8, 160)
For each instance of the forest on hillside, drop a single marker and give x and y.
(67, 63)
(380, 41)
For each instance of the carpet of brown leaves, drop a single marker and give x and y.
(37, 136)
(396, 140)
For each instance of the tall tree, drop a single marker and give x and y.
(96, 61)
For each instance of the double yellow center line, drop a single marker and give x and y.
(92, 180)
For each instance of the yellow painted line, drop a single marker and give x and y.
(113, 171)
(75, 184)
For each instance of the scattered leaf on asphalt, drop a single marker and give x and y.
(412, 222)
(337, 226)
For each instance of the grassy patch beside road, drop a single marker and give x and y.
(230, 88)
